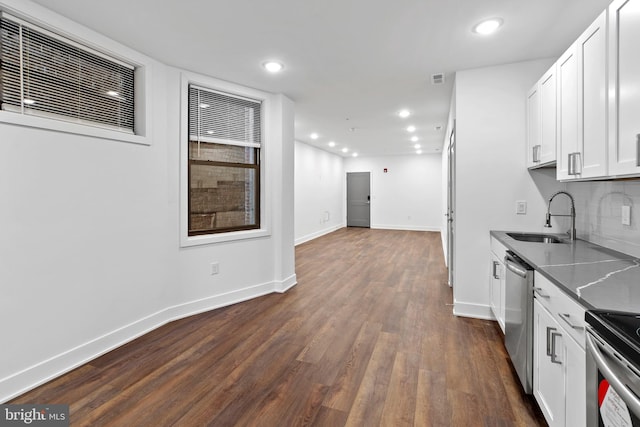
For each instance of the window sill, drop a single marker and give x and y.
(207, 239)
(69, 127)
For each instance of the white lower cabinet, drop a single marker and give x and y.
(558, 359)
(548, 376)
(496, 280)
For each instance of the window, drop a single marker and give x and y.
(43, 74)
(225, 134)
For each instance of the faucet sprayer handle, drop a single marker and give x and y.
(547, 223)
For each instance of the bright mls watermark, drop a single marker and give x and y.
(34, 415)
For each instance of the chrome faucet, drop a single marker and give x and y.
(572, 231)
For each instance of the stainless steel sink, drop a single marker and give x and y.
(535, 237)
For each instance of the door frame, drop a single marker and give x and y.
(451, 202)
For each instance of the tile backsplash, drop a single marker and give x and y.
(599, 213)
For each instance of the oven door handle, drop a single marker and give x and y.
(627, 395)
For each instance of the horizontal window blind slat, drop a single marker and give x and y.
(53, 35)
(220, 117)
(44, 74)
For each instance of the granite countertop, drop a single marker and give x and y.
(593, 275)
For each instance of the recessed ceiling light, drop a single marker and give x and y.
(414, 139)
(419, 152)
(205, 105)
(345, 149)
(28, 101)
(314, 136)
(332, 144)
(416, 146)
(273, 66)
(488, 26)
(210, 132)
(404, 113)
(355, 154)
(411, 129)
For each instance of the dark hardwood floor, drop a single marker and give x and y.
(366, 338)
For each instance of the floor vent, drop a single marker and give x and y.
(437, 79)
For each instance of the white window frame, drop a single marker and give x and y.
(265, 184)
(49, 21)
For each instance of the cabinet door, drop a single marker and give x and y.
(592, 81)
(533, 126)
(624, 87)
(567, 113)
(548, 107)
(548, 371)
(497, 290)
(575, 384)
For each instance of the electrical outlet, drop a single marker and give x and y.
(215, 268)
(626, 215)
(521, 207)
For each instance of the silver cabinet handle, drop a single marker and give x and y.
(629, 397)
(495, 269)
(638, 149)
(536, 153)
(566, 317)
(575, 163)
(554, 357)
(571, 165)
(549, 331)
(538, 292)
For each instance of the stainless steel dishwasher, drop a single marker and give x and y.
(518, 328)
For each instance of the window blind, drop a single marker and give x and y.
(223, 118)
(47, 75)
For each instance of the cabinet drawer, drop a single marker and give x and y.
(567, 312)
(498, 248)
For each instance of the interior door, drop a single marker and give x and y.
(358, 199)
(451, 192)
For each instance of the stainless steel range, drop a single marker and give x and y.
(613, 368)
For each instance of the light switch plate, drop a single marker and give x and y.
(521, 207)
(626, 215)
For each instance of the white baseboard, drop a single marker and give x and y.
(405, 227)
(286, 284)
(476, 311)
(317, 234)
(47, 370)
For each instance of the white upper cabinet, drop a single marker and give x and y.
(533, 126)
(548, 116)
(567, 111)
(582, 105)
(624, 87)
(541, 120)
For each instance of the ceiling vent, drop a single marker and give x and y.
(437, 79)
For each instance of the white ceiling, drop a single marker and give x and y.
(348, 63)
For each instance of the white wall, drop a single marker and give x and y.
(492, 173)
(408, 196)
(90, 252)
(319, 192)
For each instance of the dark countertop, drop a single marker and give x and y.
(593, 275)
